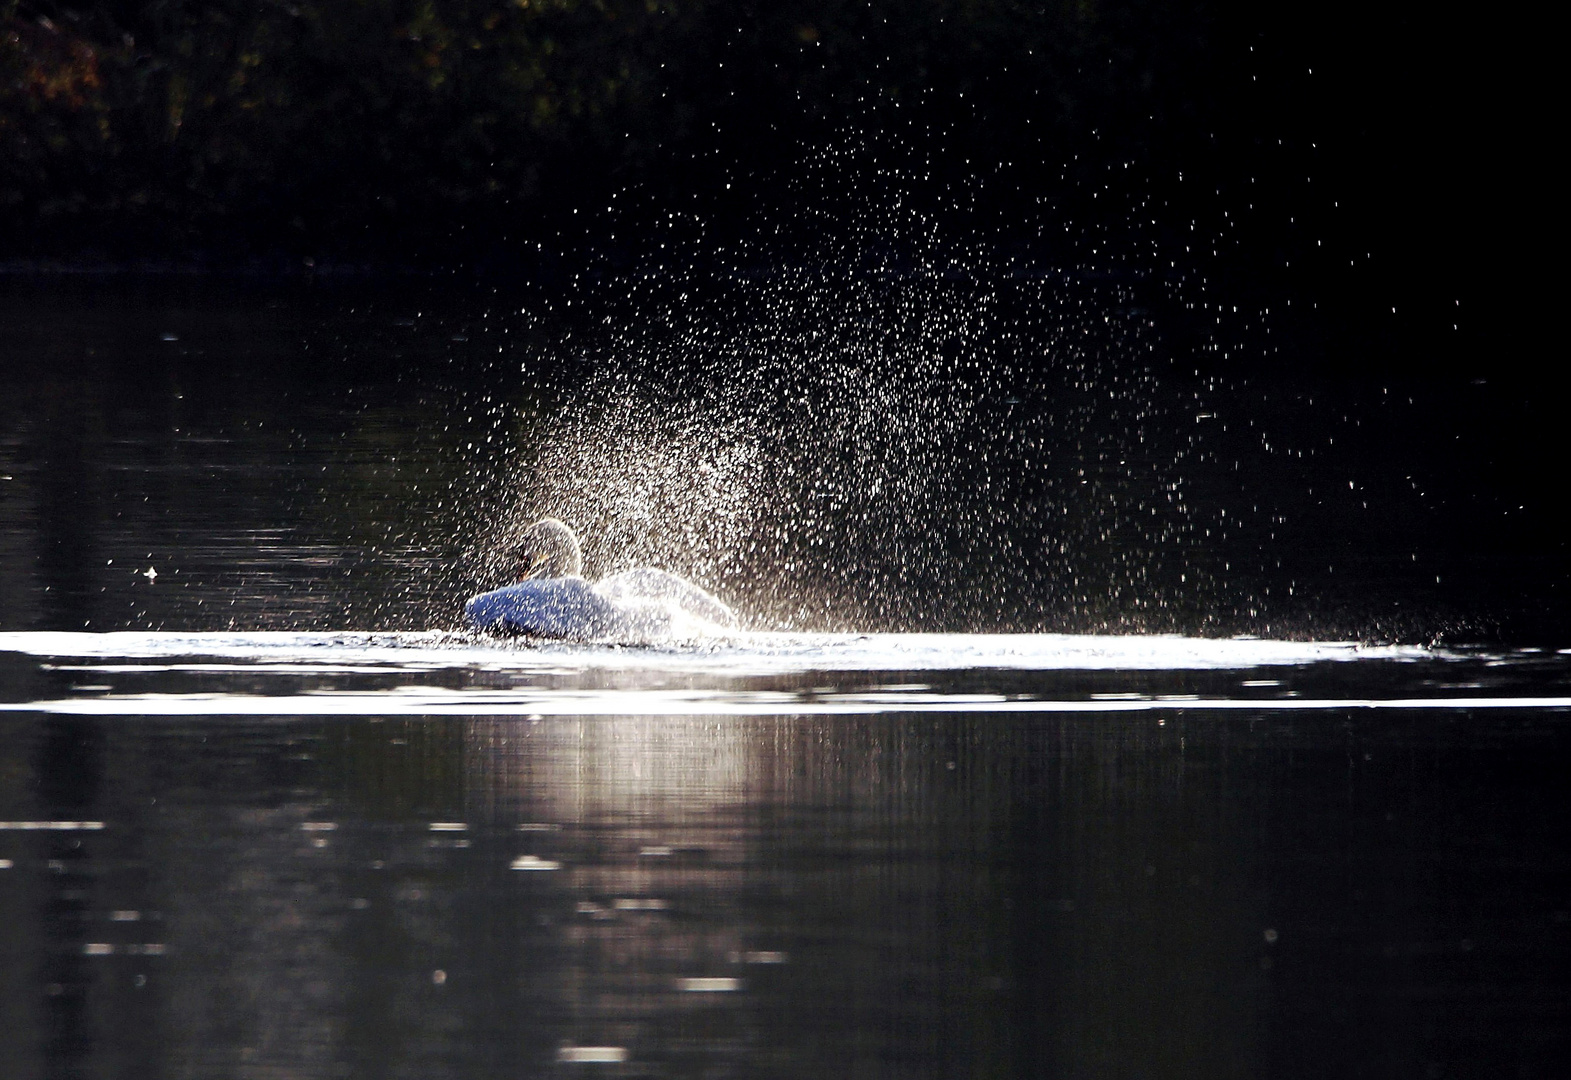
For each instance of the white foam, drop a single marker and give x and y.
(438, 701)
(557, 679)
(740, 654)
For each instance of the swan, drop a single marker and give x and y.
(549, 597)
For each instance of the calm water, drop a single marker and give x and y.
(338, 854)
(265, 812)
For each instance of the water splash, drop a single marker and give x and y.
(856, 423)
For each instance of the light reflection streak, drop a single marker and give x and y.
(430, 701)
(741, 654)
(590, 1055)
(642, 824)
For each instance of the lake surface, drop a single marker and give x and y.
(420, 854)
(1097, 718)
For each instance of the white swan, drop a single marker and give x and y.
(550, 599)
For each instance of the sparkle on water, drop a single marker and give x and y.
(759, 673)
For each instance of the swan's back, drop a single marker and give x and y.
(646, 586)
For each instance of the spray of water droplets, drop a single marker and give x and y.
(853, 424)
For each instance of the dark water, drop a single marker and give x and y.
(220, 861)
(256, 839)
(944, 446)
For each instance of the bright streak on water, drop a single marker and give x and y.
(650, 703)
(534, 862)
(706, 985)
(742, 654)
(590, 1055)
(773, 674)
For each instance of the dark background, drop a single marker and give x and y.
(1365, 157)
(1317, 222)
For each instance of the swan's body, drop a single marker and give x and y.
(552, 601)
(565, 607)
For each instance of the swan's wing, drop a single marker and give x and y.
(645, 584)
(568, 608)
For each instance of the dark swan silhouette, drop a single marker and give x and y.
(550, 599)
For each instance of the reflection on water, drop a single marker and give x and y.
(1215, 886)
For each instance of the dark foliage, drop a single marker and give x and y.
(1375, 158)
(310, 126)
